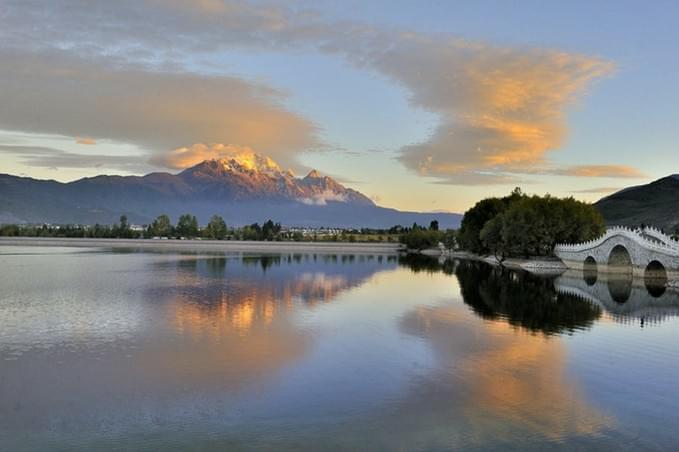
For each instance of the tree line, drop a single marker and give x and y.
(216, 229)
(519, 225)
(418, 237)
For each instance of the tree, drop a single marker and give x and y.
(449, 239)
(187, 226)
(528, 225)
(270, 230)
(434, 225)
(123, 229)
(474, 220)
(161, 226)
(216, 228)
(419, 239)
(491, 236)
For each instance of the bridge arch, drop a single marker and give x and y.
(655, 278)
(590, 271)
(619, 259)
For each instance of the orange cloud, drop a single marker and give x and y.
(501, 109)
(155, 111)
(85, 140)
(602, 171)
(185, 157)
(597, 190)
(506, 375)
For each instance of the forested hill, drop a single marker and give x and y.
(654, 204)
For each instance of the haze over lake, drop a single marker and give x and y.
(143, 350)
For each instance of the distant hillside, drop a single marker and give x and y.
(655, 204)
(243, 189)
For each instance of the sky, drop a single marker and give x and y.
(421, 105)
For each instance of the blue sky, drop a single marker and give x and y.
(421, 105)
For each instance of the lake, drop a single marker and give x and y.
(106, 349)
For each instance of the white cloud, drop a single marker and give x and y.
(322, 199)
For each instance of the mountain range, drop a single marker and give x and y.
(656, 203)
(243, 188)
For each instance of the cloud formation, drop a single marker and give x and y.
(501, 109)
(622, 171)
(47, 157)
(321, 199)
(597, 190)
(156, 111)
(185, 157)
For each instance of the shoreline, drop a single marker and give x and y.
(537, 265)
(209, 245)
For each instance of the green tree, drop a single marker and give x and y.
(532, 226)
(419, 239)
(492, 238)
(270, 230)
(216, 228)
(434, 225)
(161, 226)
(122, 230)
(474, 220)
(187, 226)
(449, 239)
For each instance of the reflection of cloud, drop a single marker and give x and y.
(505, 375)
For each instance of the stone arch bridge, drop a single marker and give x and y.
(645, 252)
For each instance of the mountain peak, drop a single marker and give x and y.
(250, 161)
(246, 175)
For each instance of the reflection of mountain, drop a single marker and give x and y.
(212, 294)
(623, 297)
(517, 297)
(207, 330)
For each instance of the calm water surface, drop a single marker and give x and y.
(130, 350)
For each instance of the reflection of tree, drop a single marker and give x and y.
(421, 263)
(518, 297)
(522, 299)
(264, 261)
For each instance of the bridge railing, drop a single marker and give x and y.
(661, 236)
(663, 243)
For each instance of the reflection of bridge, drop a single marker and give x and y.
(645, 252)
(624, 297)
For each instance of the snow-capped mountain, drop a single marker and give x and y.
(243, 188)
(258, 177)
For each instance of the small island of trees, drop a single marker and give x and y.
(519, 225)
